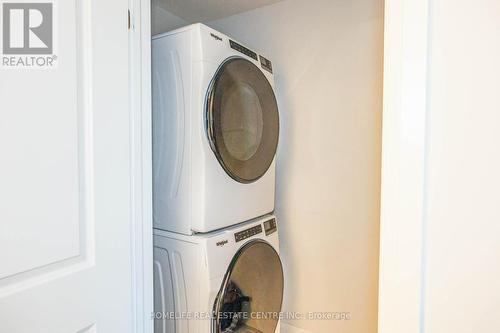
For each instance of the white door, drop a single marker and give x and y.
(65, 188)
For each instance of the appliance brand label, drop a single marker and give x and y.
(216, 37)
(222, 243)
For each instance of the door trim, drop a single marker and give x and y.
(404, 155)
(141, 164)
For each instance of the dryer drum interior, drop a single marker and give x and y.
(252, 292)
(242, 120)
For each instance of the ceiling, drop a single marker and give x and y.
(209, 10)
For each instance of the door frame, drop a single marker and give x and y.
(139, 21)
(404, 156)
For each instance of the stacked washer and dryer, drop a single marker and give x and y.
(215, 132)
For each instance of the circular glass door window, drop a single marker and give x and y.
(242, 120)
(252, 292)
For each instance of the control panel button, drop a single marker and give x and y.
(266, 64)
(239, 236)
(240, 48)
(270, 226)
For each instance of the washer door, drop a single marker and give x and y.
(252, 292)
(242, 120)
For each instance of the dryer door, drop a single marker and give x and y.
(252, 292)
(242, 120)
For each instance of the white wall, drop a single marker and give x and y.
(462, 263)
(328, 58)
(458, 282)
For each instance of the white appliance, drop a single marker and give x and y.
(237, 269)
(215, 131)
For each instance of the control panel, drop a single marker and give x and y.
(270, 226)
(266, 64)
(239, 236)
(242, 49)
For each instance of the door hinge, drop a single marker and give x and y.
(129, 20)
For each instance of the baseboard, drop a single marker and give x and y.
(287, 328)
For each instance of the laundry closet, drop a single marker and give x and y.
(266, 130)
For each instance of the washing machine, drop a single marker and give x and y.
(228, 281)
(215, 131)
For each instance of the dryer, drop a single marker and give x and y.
(222, 282)
(215, 131)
